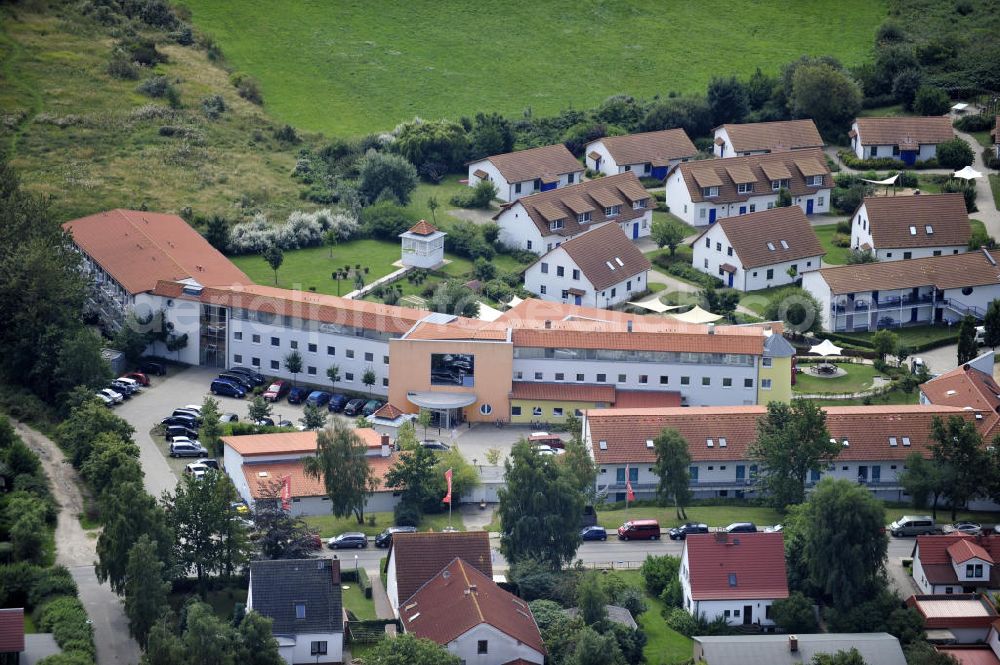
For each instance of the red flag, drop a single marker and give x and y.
(629, 494)
(286, 493)
(447, 497)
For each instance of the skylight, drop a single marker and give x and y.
(906, 440)
(892, 441)
(602, 444)
(913, 230)
(608, 264)
(709, 443)
(929, 229)
(722, 442)
(770, 246)
(300, 610)
(619, 261)
(845, 443)
(784, 245)
(732, 579)
(649, 443)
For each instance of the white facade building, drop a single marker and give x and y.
(895, 228)
(423, 246)
(907, 139)
(648, 155)
(526, 172)
(759, 138)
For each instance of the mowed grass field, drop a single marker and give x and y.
(353, 66)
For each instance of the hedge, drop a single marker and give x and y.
(867, 343)
(852, 161)
(365, 582)
(66, 619)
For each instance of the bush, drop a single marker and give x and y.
(67, 620)
(383, 175)
(796, 307)
(679, 620)
(480, 196)
(841, 240)
(121, 67)
(967, 189)
(955, 154)
(156, 86)
(466, 239)
(794, 614)
(286, 134)
(247, 87)
(852, 161)
(657, 571)
(534, 579)
(990, 159)
(301, 229)
(406, 514)
(385, 221)
(213, 106)
(844, 226)
(975, 123)
(546, 613)
(673, 594)
(50, 583)
(16, 583)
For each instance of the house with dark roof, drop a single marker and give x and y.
(734, 576)
(702, 191)
(738, 649)
(464, 611)
(908, 139)
(958, 618)
(541, 222)
(601, 268)
(525, 172)
(648, 155)
(956, 563)
(758, 250)
(970, 387)
(11, 635)
(760, 138)
(873, 441)
(302, 597)
(891, 294)
(415, 558)
(894, 228)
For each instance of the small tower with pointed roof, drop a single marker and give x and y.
(423, 246)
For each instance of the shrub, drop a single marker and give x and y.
(155, 86)
(286, 134)
(546, 613)
(657, 571)
(794, 614)
(796, 307)
(968, 190)
(301, 229)
(213, 106)
(385, 221)
(908, 179)
(406, 514)
(50, 583)
(975, 123)
(841, 240)
(121, 67)
(990, 159)
(247, 88)
(466, 239)
(534, 579)
(632, 600)
(16, 583)
(66, 619)
(852, 161)
(844, 226)
(955, 154)
(382, 174)
(480, 196)
(679, 620)
(673, 594)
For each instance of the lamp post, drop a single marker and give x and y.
(355, 563)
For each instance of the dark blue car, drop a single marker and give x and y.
(318, 398)
(298, 394)
(226, 388)
(337, 402)
(593, 533)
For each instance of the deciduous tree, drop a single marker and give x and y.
(580, 468)
(86, 422)
(667, 233)
(145, 589)
(958, 451)
(333, 374)
(794, 614)
(80, 362)
(211, 427)
(409, 650)
(727, 99)
(340, 462)
(592, 600)
(885, 343)
(129, 513)
(922, 480)
(825, 94)
(369, 378)
(672, 463)
(381, 172)
(293, 363)
(258, 409)
(274, 257)
(313, 417)
(992, 324)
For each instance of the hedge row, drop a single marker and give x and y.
(867, 343)
(851, 160)
(66, 618)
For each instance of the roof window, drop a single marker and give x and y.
(300, 610)
(784, 245)
(732, 579)
(770, 246)
(929, 229)
(608, 264)
(845, 443)
(709, 443)
(649, 443)
(722, 442)
(906, 440)
(602, 444)
(619, 261)
(913, 230)
(892, 441)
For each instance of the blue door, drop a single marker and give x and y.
(546, 186)
(741, 473)
(660, 172)
(635, 230)
(743, 210)
(693, 474)
(876, 474)
(909, 157)
(731, 276)
(577, 300)
(711, 216)
(809, 206)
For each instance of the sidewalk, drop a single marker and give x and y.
(383, 610)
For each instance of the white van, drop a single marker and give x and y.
(913, 525)
(980, 335)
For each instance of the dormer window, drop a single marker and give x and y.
(709, 191)
(744, 187)
(814, 181)
(974, 570)
(640, 205)
(778, 184)
(613, 211)
(556, 225)
(583, 218)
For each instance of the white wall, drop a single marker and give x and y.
(861, 233)
(505, 191)
(554, 285)
(710, 609)
(518, 231)
(678, 198)
(391, 583)
(815, 284)
(303, 645)
(718, 253)
(608, 164)
(185, 315)
(726, 149)
(501, 648)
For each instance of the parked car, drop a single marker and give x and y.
(187, 448)
(970, 528)
(174, 431)
(256, 377)
(227, 389)
(196, 469)
(185, 421)
(546, 439)
(187, 412)
(371, 406)
(286, 423)
(435, 445)
(229, 418)
(139, 377)
(276, 390)
(337, 402)
(123, 389)
(913, 525)
(132, 383)
(210, 462)
(593, 533)
(742, 527)
(115, 397)
(639, 530)
(238, 379)
(348, 540)
(684, 530)
(196, 408)
(384, 539)
(298, 394)
(105, 399)
(548, 450)
(353, 407)
(318, 398)
(264, 422)
(153, 367)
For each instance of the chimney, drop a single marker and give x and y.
(629, 325)
(711, 328)
(793, 643)
(548, 325)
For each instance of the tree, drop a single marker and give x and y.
(885, 343)
(922, 480)
(667, 233)
(384, 172)
(784, 198)
(931, 100)
(464, 478)
(967, 348)
(672, 463)
(924, 653)
(207, 640)
(85, 423)
(796, 307)
(333, 374)
(720, 301)
(258, 409)
(579, 467)
(413, 475)
(424, 420)
(274, 257)
(281, 535)
(330, 239)
(727, 99)
(794, 614)
(435, 148)
(491, 134)
(80, 363)
(593, 648)
(957, 449)
(825, 94)
(592, 600)
(905, 86)
(955, 154)
(145, 589)
(163, 646)
(313, 417)
(129, 513)
(340, 462)
(210, 538)
(453, 297)
(293, 363)
(217, 233)
(539, 509)
(791, 440)
(257, 644)
(843, 541)
(211, 425)
(409, 650)
(852, 657)
(991, 322)
(484, 270)
(111, 458)
(369, 378)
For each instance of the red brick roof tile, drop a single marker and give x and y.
(715, 173)
(757, 560)
(774, 136)
(965, 387)
(891, 219)
(758, 236)
(605, 256)
(905, 130)
(12, 630)
(421, 556)
(423, 228)
(535, 163)
(657, 148)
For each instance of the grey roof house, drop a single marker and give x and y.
(302, 597)
(875, 648)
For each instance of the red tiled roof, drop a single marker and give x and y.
(936, 561)
(758, 236)
(140, 248)
(793, 165)
(969, 654)
(638, 399)
(905, 130)
(656, 148)
(544, 162)
(869, 431)
(605, 256)
(290, 443)
(570, 392)
(891, 219)
(954, 611)
(950, 271)
(458, 599)
(387, 411)
(421, 556)
(423, 228)
(12, 630)
(264, 478)
(782, 135)
(756, 559)
(965, 550)
(964, 387)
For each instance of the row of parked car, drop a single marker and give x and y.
(334, 402)
(123, 388)
(181, 427)
(650, 530)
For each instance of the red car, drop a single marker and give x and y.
(138, 377)
(277, 390)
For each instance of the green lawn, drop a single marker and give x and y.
(443, 191)
(834, 255)
(884, 111)
(984, 138)
(329, 526)
(757, 300)
(222, 601)
(665, 646)
(892, 397)
(355, 601)
(858, 378)
(912, 336)
(354, 67)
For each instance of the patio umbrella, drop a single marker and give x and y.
(826, 348)
(696, 315)
(968, 173)
(653, 304)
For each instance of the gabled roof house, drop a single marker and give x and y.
(969, 387)
(648, 155)
(758, 138)
(415, 558)
(908, 139)
(600, 268)
(956, 563)
(758, 250)
(894, 228)
(525, 172)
